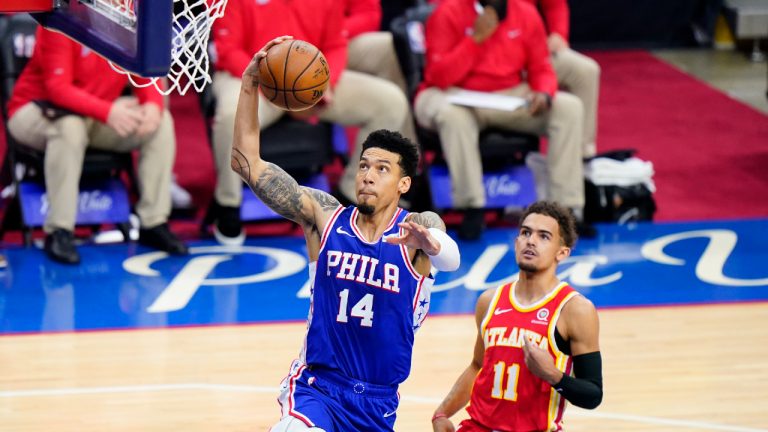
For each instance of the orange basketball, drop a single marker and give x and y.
(294, 75)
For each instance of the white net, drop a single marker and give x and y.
(192, 22)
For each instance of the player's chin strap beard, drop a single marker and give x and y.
(365, 209)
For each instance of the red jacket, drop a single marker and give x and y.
(248, 25)
(518, 44)
(361, 16)
(556, 15)
(73, 77)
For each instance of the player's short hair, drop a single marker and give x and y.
(564, 217)
(394, 142)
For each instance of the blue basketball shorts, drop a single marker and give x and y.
(325, 399)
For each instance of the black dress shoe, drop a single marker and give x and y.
(160, 237)
(227, 228)
(473, 224)
(60, 246)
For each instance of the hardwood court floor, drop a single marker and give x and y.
(666, 369)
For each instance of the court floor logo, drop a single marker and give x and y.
(204, 259)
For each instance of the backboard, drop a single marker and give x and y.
(164, 40)
(133, 34)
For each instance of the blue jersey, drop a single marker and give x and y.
(366, 304)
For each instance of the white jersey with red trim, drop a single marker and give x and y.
(367, 301)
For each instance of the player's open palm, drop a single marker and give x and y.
(443, 425)
(415, 236)
(252, 70)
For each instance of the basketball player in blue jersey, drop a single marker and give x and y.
(370, 273)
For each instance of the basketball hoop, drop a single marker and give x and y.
(191, 29)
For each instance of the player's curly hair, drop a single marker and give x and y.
(395, 143)
(564, 217)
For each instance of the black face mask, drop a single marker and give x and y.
(499, 5)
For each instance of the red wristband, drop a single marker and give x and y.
(437, 416)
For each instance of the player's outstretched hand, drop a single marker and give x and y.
(251, 73)
(443, 425)
(540, 363)
(415, 236)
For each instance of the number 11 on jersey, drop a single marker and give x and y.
(362, 309)
(512, 373)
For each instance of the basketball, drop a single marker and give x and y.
(294, 75)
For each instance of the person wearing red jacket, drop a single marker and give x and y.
(469, 47)
(353, 98)
(576, 73)
(67, 99)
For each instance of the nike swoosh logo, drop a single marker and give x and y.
(514, 33)
(389, 414)
(501, 311)
(340, 230)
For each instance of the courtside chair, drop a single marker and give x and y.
(498, 148)
(17, 39)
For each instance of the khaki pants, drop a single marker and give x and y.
(459, 130)
(360, 100)
(580, 75)
(373, 53)
(64, 142)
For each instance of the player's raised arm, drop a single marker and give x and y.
(276, 188)
(426, 232)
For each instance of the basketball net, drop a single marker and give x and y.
(192, 22)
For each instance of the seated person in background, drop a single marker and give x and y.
(577, 73)
(353, 98)
(486, 46)
(68, 98)
(370, 51)
(373, 52)
(391, 9)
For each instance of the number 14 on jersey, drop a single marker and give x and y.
(363, 309)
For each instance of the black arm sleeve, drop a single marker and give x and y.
(586, 389)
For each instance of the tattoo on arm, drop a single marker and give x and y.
(326, 201)
(280, 192)
(427, 220)
(283, 194)
(241, 165)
